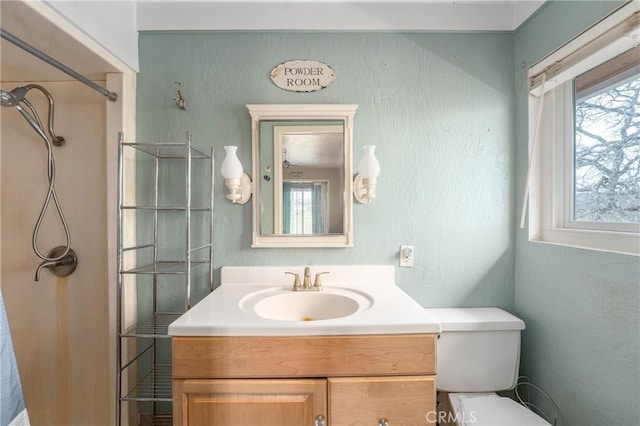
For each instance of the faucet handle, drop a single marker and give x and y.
(60, 266)
(296, 281)
(317, 285)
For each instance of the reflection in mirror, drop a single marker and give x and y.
(302, 161)
(304, 208)
(308, 177)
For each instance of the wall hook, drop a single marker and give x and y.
(180, 101)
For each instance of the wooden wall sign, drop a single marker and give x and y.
(302, 75)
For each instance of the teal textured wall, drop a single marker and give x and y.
(451, 130)
(439, 108)
(581, 307)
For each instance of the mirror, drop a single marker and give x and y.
(302, 171)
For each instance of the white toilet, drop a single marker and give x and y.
(479, 354)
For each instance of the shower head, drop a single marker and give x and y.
(12, 98)
(17, 96)
(7, 99)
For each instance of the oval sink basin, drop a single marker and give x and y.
(305, 305)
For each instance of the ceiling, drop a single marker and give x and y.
(327, 15)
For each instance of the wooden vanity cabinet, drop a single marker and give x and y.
(244, 402)
(347, 380)
(401, 400)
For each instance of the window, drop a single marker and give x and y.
(584, 176)
(304, 207)
(605, 189)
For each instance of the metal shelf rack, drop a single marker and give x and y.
(150, 274)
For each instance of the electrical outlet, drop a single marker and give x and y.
(406, 256)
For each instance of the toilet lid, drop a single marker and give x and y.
(495, 410)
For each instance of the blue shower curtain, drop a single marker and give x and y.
(12, 410)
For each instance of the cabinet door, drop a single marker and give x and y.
(248, 402)
(364, 401)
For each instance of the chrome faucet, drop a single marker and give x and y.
(306, 283)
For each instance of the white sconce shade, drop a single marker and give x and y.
(231, 167)
(369, 167)
(364, 185)
(238, 183)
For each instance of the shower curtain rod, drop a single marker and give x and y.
(112, 96)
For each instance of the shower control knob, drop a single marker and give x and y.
(62, 267)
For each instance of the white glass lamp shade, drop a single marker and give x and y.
(369, 167)
(364, 185)
(231, 167)
(238, 183)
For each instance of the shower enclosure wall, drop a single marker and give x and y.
(59, 325)
(63, 329)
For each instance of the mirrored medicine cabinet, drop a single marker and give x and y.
(302, 172)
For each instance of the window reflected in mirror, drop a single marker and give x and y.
(304, 206)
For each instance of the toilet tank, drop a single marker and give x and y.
(478, 349)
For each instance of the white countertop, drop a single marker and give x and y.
(392, 311)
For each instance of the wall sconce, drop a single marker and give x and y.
(235, 179)
(364, 185)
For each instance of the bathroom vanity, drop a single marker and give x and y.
(233, 364)
(343, 379)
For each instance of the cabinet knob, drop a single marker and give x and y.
(319, 421)
(383, 422)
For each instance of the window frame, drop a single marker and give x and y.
(551, 155)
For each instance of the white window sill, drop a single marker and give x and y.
(615, 242)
